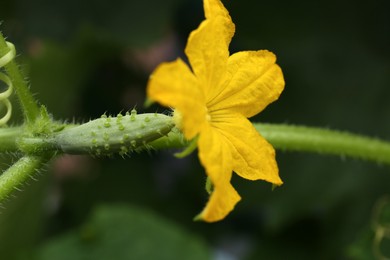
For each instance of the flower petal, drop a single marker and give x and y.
(172, 84)
(207, 51)
(252, 82)
(213, 8)
(253, 157)
(215, 156)
(221, 202)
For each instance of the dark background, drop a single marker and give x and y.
(85, 58)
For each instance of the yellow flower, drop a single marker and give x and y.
(214, 98)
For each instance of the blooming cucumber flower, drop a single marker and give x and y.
(214, 97)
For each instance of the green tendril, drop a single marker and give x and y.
(29, 106)
(4, 60)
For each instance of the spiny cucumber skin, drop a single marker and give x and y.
(110, 135)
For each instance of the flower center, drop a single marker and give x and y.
(177, 118)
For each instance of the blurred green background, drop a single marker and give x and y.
(84, 58)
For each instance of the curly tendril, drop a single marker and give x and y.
(4, 60)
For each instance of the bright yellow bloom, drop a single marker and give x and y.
(214, 99)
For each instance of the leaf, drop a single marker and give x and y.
(123, 232)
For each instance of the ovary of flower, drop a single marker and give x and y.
(212, 101)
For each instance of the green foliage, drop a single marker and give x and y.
(124, 232)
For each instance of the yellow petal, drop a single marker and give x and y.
(173, 85)
(221, 202)
(213, 8)
(252, 82)
(253, 157)
(207, 51)
(215, 156)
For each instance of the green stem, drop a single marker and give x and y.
(18, 173)
(307, 139)
(324, 141)
(28, 103)
(283, 137)
(8, 139)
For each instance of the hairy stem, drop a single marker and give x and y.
(324, 141)
(28, 103)
(8, 138)
(306, 139)
(18, 174)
